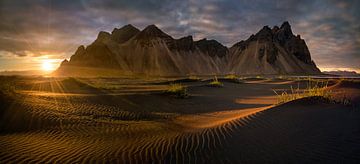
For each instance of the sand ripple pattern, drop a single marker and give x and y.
(280, 134)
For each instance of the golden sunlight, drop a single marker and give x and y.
(47, 65)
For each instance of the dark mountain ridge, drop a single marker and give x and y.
(155, 53)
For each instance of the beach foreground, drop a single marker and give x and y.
(111, 120)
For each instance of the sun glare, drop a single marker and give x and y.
(47, 66)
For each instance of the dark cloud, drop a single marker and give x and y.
(40, 27)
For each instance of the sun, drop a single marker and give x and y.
(47, 66)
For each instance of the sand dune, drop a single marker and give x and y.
(234, 124)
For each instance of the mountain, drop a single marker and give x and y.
(129, 51)
(272, 51)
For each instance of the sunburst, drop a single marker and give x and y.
(47, 65)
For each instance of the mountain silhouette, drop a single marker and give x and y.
(128, 50)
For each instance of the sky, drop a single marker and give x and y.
(39, 34)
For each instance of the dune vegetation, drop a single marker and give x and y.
(216, 83)
(7, 84)
(178, 90)
(7, 92)
(231, 77)
(316, 89)
(193, 77)
(313, 89)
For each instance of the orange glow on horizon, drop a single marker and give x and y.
(47, 66)
(357, 70)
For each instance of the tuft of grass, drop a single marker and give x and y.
(192, 77)
(314, 89)
(7, 85)
(284, 77)
(7, 92)
(231, 77)
(216, 83)
(178, 90)
(7, 89)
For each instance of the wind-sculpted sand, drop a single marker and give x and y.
(243, 126)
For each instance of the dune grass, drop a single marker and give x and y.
(7, 85)
(216, 83)
(7, 88)
(193, 77)
(7, 93)
(178, 90)
(314, 88)
(231, 77)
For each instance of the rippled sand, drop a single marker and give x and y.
(238, 123)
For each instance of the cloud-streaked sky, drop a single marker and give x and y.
(32, 31)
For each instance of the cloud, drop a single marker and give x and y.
(332, 33)
(331, 28)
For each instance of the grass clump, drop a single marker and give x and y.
(317, 89)
(216, 83)
(7, 92)
(192, 77)
(7, 85)
(177, 90)
(231, 77)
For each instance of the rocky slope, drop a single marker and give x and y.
(152, 52)
(272, 51)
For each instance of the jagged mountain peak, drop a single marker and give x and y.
(285, 31)
(264, 33)
(212, 47)
(102, 36)
(182, 44)
(153, 52)
(275, 29)
(80, 49)
(275, 37)
(128, 27)
(210, 41)
(64, 62)
(152, 31)
(124, 33)
(285, 25)
(151, 27)
(266, 28)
